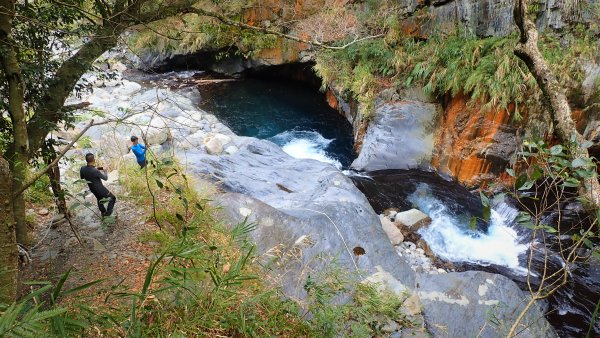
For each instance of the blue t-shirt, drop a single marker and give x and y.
(139, 151)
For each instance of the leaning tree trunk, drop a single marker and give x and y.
(8, 242)
(527, 50)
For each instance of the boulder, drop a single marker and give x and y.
(400, 137)
(231, 150)
(224, 139)
(391, 231)
(290, 198)
(213, 145)
(412, 220)
(297, 243)
(461, 305)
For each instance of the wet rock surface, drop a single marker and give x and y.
(400, 137)
(308, 213)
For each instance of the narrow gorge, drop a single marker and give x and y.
(399, 144)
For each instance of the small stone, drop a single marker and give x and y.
(390, 326)
(383, 280)
(97, 246)
(71, 242)
(43, 212)
(420, 251)
(50, 254)
(394, 235)
(245, 212)
(413, 219)
(411, 246)
(97, 234)
(231, 150)
(440, 270)
(412, 305)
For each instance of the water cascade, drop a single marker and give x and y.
(297, 119)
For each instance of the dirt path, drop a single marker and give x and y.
(114, 252)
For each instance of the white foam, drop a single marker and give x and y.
(457, 243)
(305, 145)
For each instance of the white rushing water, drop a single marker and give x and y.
(451, 238)
(305, 144)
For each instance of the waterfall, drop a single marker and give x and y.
(450, 237)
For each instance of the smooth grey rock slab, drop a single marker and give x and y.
(400, 137)
(476, 303)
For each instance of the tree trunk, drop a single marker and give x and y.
(558, 106)
(8, 243)
(54, 176)
(16, 100)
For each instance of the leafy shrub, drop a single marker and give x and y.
(39, 193)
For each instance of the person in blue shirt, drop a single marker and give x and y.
(139, 150)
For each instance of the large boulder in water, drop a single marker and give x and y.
(412, 219)
(400, 137)
(476, 303)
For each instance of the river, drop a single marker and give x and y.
(296, 117)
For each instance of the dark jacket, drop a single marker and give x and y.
(93, 176)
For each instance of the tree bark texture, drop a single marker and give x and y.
(9, 255)
(59, 195)
(558, 106)
(16, 99)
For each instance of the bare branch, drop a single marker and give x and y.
(230, 22)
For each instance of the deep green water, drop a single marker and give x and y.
(293, 116)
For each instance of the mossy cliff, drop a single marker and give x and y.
(457, 54)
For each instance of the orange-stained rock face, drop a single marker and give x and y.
(284, 51)
(471, 146)
(332, 101)
(320, 20)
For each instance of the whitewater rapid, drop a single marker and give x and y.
(450, 237)
(305, 144)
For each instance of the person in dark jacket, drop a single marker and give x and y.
(93, 176)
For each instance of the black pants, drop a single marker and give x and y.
(111, 204)
(142, 163)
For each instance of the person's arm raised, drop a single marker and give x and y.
(102, 174)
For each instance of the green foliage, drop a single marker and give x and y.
(554, 173)
(202, 281)
(486, 70)
(39, 193)
(364, 316)
(192, 33)
(85, 142)
(38, 314)
(357, 69)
